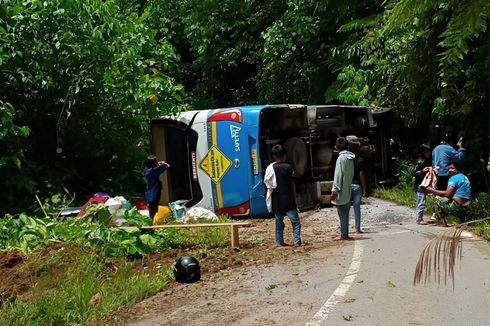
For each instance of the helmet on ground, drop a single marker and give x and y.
(187, 270)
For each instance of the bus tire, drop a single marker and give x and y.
(297, 155)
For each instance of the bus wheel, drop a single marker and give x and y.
(297, 155)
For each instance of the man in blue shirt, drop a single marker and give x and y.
(153, 170)
(443, 155)
(456, 197)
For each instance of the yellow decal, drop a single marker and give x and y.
(215, 164)
(255, 162)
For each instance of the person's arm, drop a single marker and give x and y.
(457, 155)
(363, 181)
(293, 183)
(449, 192)
(162, 166)
(337, 179)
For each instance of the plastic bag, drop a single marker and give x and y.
(116, 207)
(178, 210)
(197, 214)
(163, 215)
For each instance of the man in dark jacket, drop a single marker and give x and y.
(153, 170)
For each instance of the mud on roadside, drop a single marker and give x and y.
(13, 280)
(257, 250)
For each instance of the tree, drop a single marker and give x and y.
(85, 77)
(298, 64)
(429, 60)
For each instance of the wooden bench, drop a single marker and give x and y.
(235, 242)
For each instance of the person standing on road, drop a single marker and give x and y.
(153, 170)
(342, 186)
(359, 189)
(443, 155)
(421, 168)
(281, 195)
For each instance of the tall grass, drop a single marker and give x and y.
(66, 282)
(76, 282)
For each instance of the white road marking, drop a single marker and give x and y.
(342, 289)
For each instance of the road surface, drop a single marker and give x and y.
(368, 280)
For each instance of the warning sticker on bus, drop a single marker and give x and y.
(215, 164)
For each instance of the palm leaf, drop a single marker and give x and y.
(440, 255)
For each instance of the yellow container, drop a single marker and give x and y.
(162, 216)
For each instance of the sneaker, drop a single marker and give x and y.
(433, 217)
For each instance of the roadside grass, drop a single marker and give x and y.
(73, 284)
(79, 273)
(482, 229)
(403, 194)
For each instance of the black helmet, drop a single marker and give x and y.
(187, 270)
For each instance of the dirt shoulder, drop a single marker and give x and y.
(265, 285)
(236, 285)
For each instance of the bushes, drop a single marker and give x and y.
(26, 234)
(76, 271)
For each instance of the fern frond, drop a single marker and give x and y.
(360, 24)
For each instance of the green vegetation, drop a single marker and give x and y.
(73, 285)
(80, 79)
(70, 263)
(26, 234)
(403, 193)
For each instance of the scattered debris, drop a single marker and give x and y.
(95, 300)
(347, 317)
(390, 284)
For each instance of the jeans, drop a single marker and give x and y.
(153, 207)
(419, 209)
(294, 217)
(343, 211)
(356, 204)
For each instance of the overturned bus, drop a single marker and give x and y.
(218, 157)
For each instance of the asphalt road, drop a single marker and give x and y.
(368, 280)
(383, 292)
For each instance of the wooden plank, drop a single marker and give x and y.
(235, 242)
(201, 225)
